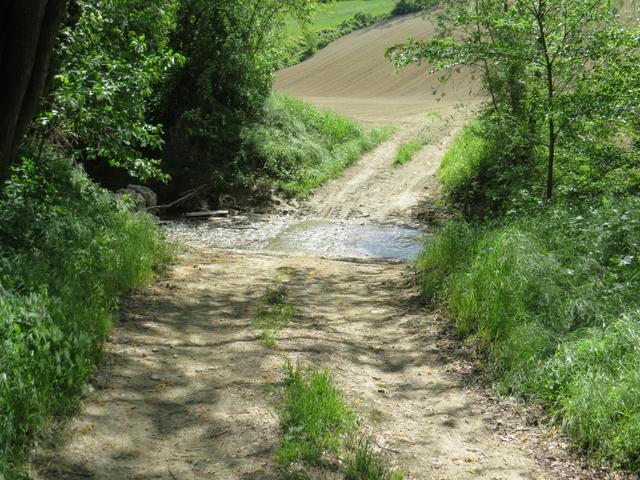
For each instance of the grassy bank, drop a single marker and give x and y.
(69, 252)
(549, 296)
(331, 15)
(299, 147)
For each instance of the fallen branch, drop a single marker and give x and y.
(207, 213)
(187, 195)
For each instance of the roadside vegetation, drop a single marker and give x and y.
(275, 313)
(300, 147)
(69, 251)
(539, 268)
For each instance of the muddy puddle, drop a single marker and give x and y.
(352, 238)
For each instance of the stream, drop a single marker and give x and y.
(301, 236)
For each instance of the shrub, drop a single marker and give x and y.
(404, 7)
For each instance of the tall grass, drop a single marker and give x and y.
(300, 147)
(550, 297)
(68, 253)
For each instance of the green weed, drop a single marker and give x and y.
(408, 149)
(364, 463)
(321, 430)
(314, 415)
(464, 161)
(275, 313)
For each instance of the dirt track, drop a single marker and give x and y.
(186, 389)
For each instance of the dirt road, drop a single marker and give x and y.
(186, 390)
(186, 393)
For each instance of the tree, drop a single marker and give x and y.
(27, 36)
(231, 49)
(112, 56)
(542, 61)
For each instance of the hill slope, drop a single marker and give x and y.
(352, 77)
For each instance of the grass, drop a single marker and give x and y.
(467, 155)
(69, 252)
(301, 147)
(321, 430)
(408, 150)
(275, 313)
(331, 15)
(364, 463)
(314, 415)
(548, 295)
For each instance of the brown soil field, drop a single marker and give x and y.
(352, 76)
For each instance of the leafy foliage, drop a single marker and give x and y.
(231, 49)
(552, 69)
(111, 57)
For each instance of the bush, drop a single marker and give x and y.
(68, 253)
(404, 7)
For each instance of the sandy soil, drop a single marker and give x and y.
(185, 390)
(376, 189)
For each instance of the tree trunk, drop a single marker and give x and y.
(550, 160)
(27, 36)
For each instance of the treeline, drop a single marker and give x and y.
(540, 266)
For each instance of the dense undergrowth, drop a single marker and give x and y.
(297, 147)
(69, 251)
(548, 293)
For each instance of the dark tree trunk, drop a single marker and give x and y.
(27, 36)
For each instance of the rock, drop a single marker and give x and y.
(132, 198)
(155, 378)
(150, 197)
